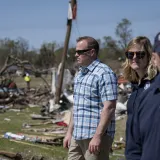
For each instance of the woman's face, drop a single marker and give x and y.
(138, 62)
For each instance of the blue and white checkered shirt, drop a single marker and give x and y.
(93, 85)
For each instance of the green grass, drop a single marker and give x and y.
(120, 129)
(29, 149)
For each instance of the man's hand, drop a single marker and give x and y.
(67, 140)
(106, 116)
(94, 145)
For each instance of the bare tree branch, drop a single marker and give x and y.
(19, 63)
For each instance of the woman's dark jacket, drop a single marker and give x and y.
(143, 123)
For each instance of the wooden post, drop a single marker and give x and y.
(64, 55)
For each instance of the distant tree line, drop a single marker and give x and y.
(50, 54)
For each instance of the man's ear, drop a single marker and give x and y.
(93, 52)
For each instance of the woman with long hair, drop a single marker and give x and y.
(139, 70)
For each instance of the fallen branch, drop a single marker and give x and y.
(16, 156)
(29, 144)
(40, 94)
(7, 100)
(51, 143)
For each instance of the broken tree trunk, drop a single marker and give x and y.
(15, 156)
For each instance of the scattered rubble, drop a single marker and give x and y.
(17, 99)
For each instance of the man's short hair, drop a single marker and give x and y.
(92, 43)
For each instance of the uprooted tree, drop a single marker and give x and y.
(15, 97)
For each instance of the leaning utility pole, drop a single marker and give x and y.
(71, 15)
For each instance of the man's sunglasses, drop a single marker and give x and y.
(139, 54)
(80, 52)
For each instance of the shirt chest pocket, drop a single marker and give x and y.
(86, 89)
(86, 85)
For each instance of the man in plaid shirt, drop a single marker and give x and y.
(92, 126)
